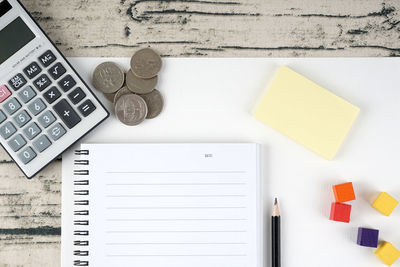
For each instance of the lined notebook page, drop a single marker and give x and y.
(174, 205)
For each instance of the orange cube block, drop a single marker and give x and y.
(344, 192)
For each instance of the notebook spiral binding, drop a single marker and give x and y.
(81, 211)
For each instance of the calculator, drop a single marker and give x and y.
(45, 106)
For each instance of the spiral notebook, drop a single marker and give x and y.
(159, 205)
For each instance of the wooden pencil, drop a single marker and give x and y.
(276, 235)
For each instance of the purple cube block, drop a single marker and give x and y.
(367, 237)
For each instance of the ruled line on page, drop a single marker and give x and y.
(182, 231)
(140, 208)
(177, 255)
(190, 196)
(176, 243)
(124, 184)
(178, 219)
(173, 172)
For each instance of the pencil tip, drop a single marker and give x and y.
(276, 201)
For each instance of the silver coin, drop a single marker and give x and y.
(131, 109)
(146, 63)
(138, 85)
(123, 91)
(108, 77)
(154, 102)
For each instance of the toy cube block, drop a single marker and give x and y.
(385, 204)
(367, 237)
(387, 253)
(340, 212)
(344, 192)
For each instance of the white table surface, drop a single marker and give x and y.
(210, 100)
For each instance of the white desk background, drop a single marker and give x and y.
(210, 100)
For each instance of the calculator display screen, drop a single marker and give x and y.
(13, 37)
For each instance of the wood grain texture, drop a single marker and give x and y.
(30, 210)
(223, 28)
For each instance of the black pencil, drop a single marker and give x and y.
(276, 236)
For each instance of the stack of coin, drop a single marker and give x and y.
(133, 94)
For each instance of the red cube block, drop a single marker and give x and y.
(340, 212)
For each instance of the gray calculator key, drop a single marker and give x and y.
(42, 143)
(37, 106)
(7, 130)
(17, 142)
(2, 117)
(27, 94)
(22, 118)
(12, 106)
(32, 131)
(27, 155)
(46, 119)
(56, 131)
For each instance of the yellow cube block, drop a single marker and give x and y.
(387, 253)
(385, 204)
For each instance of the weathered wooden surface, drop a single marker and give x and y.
(222, 27)
(30, 210)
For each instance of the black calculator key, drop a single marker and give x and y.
(77, 95)
(52, 95)
(67, 113)
(17, 81)
(42, 82)
(87, 107)
(32, 70)
(57, 71)
(67, 83)
(47, 58)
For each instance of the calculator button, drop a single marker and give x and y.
(22, 118)
(67, 83)
(7, 130)
(17, 81)
(17, 142)
(56, 131)
(32, 70)
(4, 93)
(42, 82)
(57, 71)
(12, 106)
(27, 155)
(42, 143)
(52, 95)
(26, 94)
(46, 119)
(86, 108)
(32, 131)
(37, 106)
(77, 95)
(67, 113)
(2, 117)
(47, 58)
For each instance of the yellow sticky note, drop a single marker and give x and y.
(306, 112)
(387, 253)
(385, 203)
